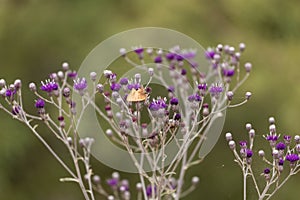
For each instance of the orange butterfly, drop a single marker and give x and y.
(137, 95)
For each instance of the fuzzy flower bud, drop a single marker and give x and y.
(93, 76)
(242, 47)
(271, 120)
(65, 66)
(123, 52)
(248, 126)
(229, 95)
(17, 83)
(261, 153)
(228, 136)
(100, 88)
(248, 95)
(2, 83)
(231, 144)
(195, 180)
(32, 87)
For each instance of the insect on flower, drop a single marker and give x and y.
(137, 95)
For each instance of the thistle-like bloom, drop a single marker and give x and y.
(249, 153)
(267, 171)
(49, 86)
(138, 50)
(80, 84)
(202, 86)
(210, 53)
(228, 72)
(287, 139)
(158, 104)
(124, 81)
(194, 97)
(149, 190)
(158, 59)
(112, 182)
(292, 157)
(72, 74)
(174, 101)
(170, 56)
(115, 86)
(40, 103)
(272, 138)
(10, 92)
(280, 146)
(243, 144)
(216, 89)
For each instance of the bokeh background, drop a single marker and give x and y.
(37, 36)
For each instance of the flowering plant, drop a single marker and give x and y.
(164, 135)
(275, 174)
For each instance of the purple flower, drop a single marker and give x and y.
(16, 109)
(292, 157)
(72, 74)
(40, 103)
(179, 57)
(135, 86)
(183, 72)
(191, 98)
(49, 86)
(170, 56)
(158, 104)
(115, 87)
(249, 153)
(202, 86)
(139, 50)
(228, 72)
(267, 171)
(124, 81)
(10, 92)
(177, 116)
(281, 161)
(149, 190)
(171, 89)
(189, 54)
(280, 146)
(80, 84)
(112, 182)
(272, 138)
(216, 89)
(158, 59)
(174, 101)
(210, 53)
(243, 144)
(287, 139)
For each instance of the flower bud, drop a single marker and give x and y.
(123, 52)
(248, 126)
(248, 95)
(261, 153)
(32, 87)
(2, 83)
(17, 83)
(228, 136)
(195, 180)
(65, 66)
(231, 144)
(229, 95)
(93, 76)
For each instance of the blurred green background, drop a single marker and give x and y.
(37, 36)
